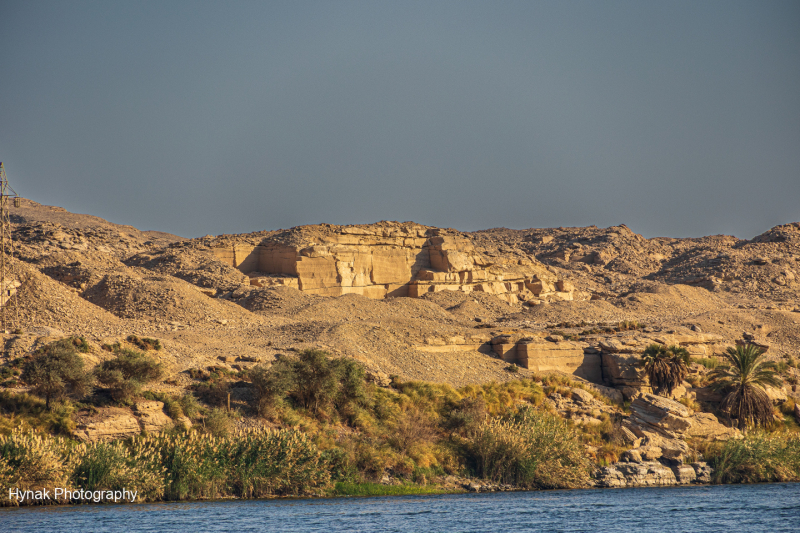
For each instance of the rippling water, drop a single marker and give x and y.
(772, 508)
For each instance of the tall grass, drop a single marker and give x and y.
(534, 450)
(247, 464)
(758, 457)
(32, 461)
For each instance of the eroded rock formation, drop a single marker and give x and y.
(388, 259)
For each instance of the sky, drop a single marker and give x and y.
(676, 118)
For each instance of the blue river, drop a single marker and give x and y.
(742, 508)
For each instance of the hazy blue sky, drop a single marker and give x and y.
(677, 118)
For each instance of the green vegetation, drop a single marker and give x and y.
(312, 381)
(144, 343)
(709, 362)
(341, 434)
(665, 366)
(56, 371)
(743, 382)
(29, 411)
(248, 464)
(757, 458)
(532, 450)
(124, 375)
(376, 489)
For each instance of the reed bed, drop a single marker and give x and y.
(246, 464)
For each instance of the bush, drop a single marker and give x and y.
(56, 370)
(312, 381)
(709, 362)
(533, 450)
(273, 462)
(218, 423)
(144, 343)
(124, 375)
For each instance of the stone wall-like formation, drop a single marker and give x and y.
(388, 259)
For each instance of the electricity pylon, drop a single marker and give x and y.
(8, 279)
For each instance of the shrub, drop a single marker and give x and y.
(218, 422)
(56, 370)
(709, 362)
(312, 381)
(268, 462)
(124, 375)
(466, 415)
(533, 450)
(144, 343)
(412, 426)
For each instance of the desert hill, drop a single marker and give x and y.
(415, 301)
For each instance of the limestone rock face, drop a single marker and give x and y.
(621, 355)
(108, 423)
(564, 356)
(387, 259)
(662, 423)
(706, 425)
(111, 423)
(151, 415)
(684, 474)
(702, 472)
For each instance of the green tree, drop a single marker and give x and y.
(313, 380)
(743, 382)
(666, 367)
(124, 375)
(56, 370)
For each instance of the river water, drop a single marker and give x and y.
(770, 508)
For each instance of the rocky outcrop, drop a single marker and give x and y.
(111, 423)
(651, 474)
(106, 424)
(387, 259)
(578, 405)
(621, 355)
(644, 474)
(706, 426)
(151, 416)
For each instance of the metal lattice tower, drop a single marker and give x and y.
(8, 279)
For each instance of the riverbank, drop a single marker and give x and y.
(276, 463)
(318, 424)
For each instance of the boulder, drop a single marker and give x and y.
(105, 424)
(648, 474)
(684, 474)
(706, 426)
(151, 416)
(702, 472)
(661, 416)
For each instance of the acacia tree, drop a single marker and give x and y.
(743, 382)
(666, 367)
(56, 370)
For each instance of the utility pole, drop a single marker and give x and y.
(8, 279)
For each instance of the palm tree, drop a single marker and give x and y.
(744, 381)
(666, 367)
